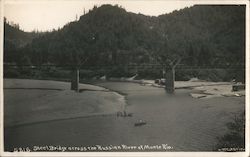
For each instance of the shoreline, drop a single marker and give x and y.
(178, 120)
(37, 99)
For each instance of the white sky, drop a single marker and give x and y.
(45, 15)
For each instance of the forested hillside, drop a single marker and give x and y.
(216, 34)
(106, 36)
(199, 36)
(14, 40)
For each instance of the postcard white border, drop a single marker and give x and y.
(126, 154)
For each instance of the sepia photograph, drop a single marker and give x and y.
(123, 76)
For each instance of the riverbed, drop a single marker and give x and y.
(177, 120)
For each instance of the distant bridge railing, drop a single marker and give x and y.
(144, 71)
(129, 66)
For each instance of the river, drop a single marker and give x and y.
(176, 120)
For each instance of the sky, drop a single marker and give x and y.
(44, 15)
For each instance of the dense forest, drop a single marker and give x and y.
(205, 41)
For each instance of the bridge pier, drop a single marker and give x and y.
(169, 82)
(75, 80)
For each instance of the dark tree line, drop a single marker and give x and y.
(201, 35)
(205, 35)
